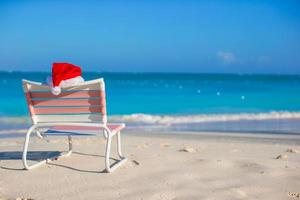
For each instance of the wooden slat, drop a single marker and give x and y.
(68, 118)
(67, 94)
(66, 102)
(65, 110)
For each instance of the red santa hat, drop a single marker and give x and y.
(62, 72)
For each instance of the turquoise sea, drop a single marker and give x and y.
(179, 101)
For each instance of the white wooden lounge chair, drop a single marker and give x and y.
(80, 107)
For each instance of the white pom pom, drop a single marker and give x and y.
(56, 90)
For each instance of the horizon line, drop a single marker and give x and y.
(149, 72)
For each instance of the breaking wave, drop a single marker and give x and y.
(273, 122)
(147, 119)
(201, 118)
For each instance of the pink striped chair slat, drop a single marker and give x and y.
(67, 110)
(112, 127)
(103, 103)
(85, 102)
(29, 104)
(66, 102)
(68, 118)
(67, 94)
(46, 88)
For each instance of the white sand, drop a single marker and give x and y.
(159, 167)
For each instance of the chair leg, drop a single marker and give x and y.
(122, 160)
(24, 156)
(119, 145)
(70, 146)
(105, 134)
(107, 153)
(26, 144)
(38, 133)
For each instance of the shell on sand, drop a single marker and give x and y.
(294, 194)
(291, 150)
(282, 156)
(143, 146)
(165, 145)
(188, 150)
(238, 193)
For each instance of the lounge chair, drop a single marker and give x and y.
(77, 108)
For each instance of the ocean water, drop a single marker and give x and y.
(237, 102)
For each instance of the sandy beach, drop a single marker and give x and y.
(160, 166)
(204, 94)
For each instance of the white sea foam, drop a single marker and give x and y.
(183, 119)
(14, 120)
(147, 119)
(288, 122)
(15, 131)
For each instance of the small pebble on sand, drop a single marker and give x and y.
(135, 162)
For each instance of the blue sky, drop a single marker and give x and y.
(233, 36)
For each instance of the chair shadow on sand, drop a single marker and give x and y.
(42, 155)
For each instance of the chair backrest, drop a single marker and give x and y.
(84, 102)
